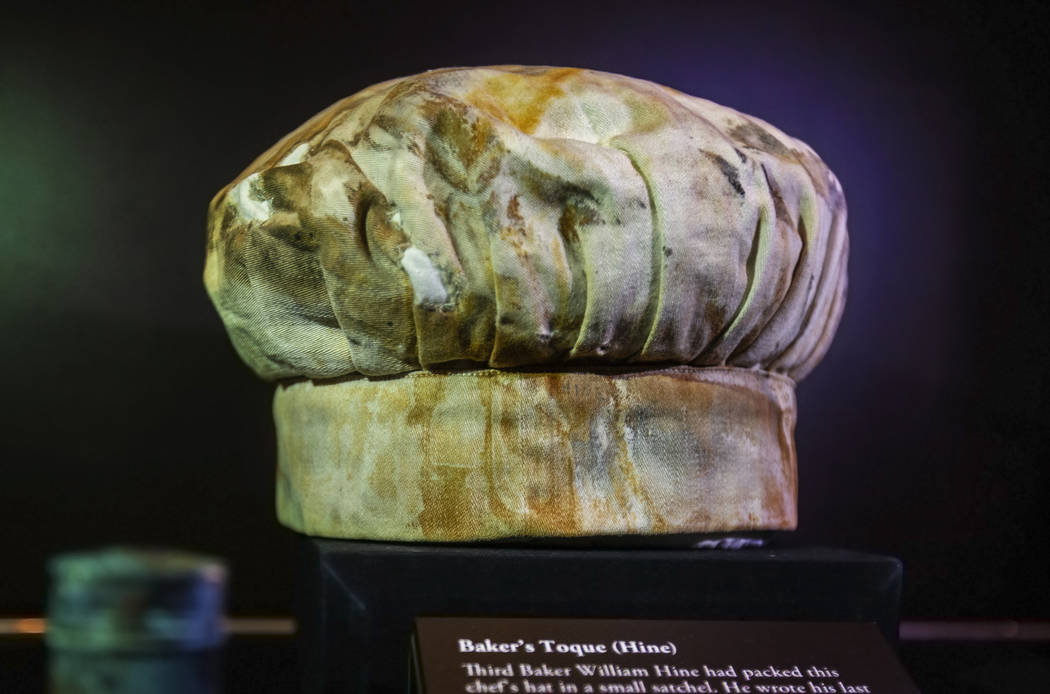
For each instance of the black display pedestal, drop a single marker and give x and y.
(358, 600)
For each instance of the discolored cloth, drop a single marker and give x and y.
(551, 219)
(490, 454)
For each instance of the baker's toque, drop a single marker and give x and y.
(531, 302)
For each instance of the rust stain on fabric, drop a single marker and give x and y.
(520, 99)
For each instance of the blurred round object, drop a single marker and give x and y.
(81, 672)
(124, 600)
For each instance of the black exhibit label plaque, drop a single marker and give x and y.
(612, 656)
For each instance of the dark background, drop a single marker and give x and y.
(126, 415)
